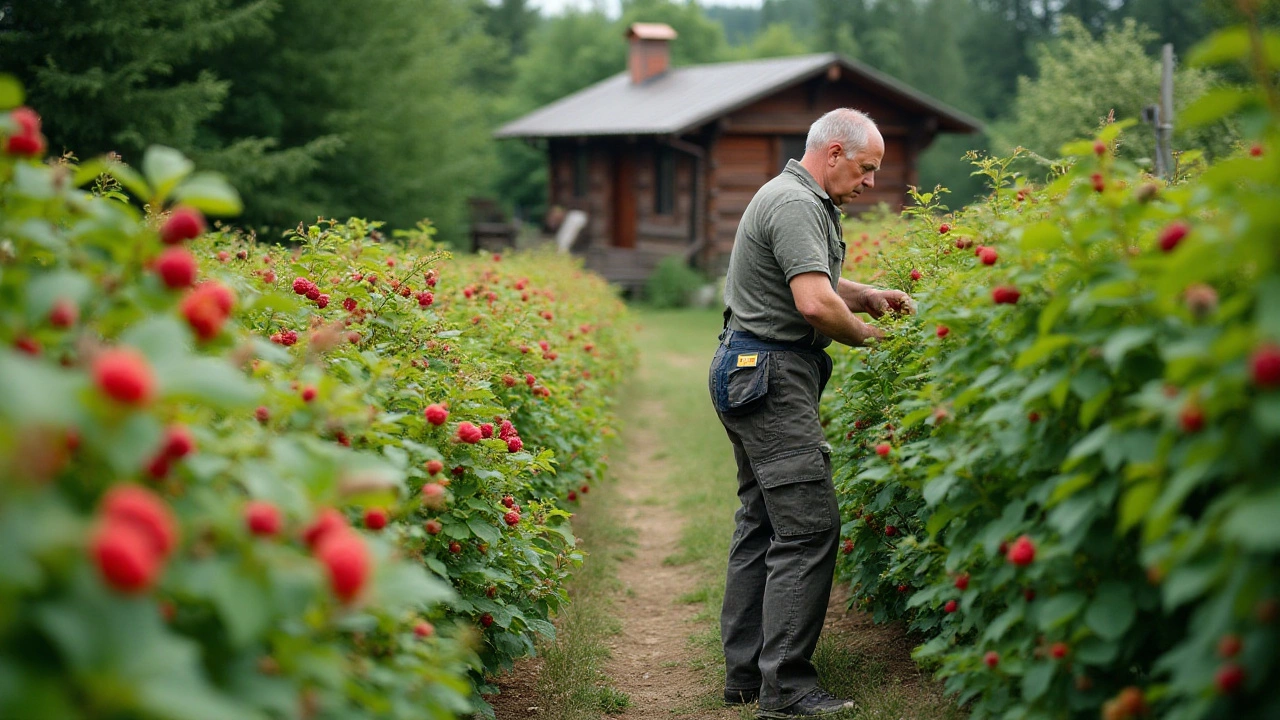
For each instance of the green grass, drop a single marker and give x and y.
(676, 352)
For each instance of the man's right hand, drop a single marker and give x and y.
(823, 309)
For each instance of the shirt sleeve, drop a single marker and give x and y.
(799, 233)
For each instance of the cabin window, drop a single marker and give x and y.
(792, 148)
(664, 182)
(581, 171)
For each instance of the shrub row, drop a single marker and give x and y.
(326, 478)
(1062, 471)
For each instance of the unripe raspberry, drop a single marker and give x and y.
(1229, 646)
(943, 331)
(512, 518)
(1033, 417)
(468, 433)
(146, 512)
(347, 561)
(1172, 235)
(1022, 552)
(375, 518)
(176, 268)
(992, 658)
(434, 467)
(184, 223)
(1201, 300)
(436, 414)
(432, 527)
(1264, 366)
(423, 629)
(125, 376)
(326, 522)
(124, 559)
(262, 518)
(64, 313)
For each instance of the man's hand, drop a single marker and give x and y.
(829, 312)
(878, 302)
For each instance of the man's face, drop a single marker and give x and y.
(848, 177)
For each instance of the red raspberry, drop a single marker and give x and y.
(124, 375)
(509, 380)
(64, 313)
(1255, 150)
(433, 496)
(1264, 366)
(1099, 183)
(262, 414)
(349, 304)
(425, 298)
(962, 581)
(124, 558)
(506, 430)
(455, 547)
(1099, 148)
(28, 120)
(468, 433)
(206, 308)
(1033, 417)
(1029, 594)
(25, 145)
(486, 430)
(436, 414)
(308, 393)
(890, 530)
(223, 256)
(322, 301)
(184, 223)
(159, 467)
(508, 501)
(178, 442)
(1229, 646)
(951, 606)
(146, 512)
(512, 518)
(584, 489)
(1229, 678)
(529, 379)
(326, 522)
(988, 256)
(964, 243)
(302, 286)
(1006, 295)
(423, 629)
(262, 518)
(1172, 235)
(432, 527)
(27, 345)
(883, 449)
(573, 496)
(903, 588)
(1022, 552)
(347, 561)
(992, 658)
(943, 331)
(313, 293)
(486, 620)
(915, 274)
(375, 518)
(269, 277)
(847, 547)
(1059, 650)
(944, 228)
(1191, 419)
(434, 467)
(515, 445)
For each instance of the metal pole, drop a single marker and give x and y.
(1164, 128)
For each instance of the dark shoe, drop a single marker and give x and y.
(741, 697)
(818, 702)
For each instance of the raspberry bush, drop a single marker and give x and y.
(1062, 471)
(253, 480)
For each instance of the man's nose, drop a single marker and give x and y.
(870, 179)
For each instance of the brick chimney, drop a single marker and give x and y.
(650, 50)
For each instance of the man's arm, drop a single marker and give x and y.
(828, 312)
(872, 301)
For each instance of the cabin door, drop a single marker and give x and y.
(624, 198)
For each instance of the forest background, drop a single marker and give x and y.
(385, 108)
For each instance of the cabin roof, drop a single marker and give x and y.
(685, 98)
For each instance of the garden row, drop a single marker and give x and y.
(1063, 470)
(326, 478)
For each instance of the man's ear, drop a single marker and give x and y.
(834, 151)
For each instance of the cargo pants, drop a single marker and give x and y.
(783, 554)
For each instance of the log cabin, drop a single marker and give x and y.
(664, 160)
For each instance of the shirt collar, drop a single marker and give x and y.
(795, 168)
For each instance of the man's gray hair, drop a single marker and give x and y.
(851, 128)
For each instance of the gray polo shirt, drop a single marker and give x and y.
(791, 226)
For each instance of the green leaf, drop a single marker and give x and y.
(11, 94)
(1096, 651)
(1268, 311)
(210, 194)
(164, 167)
(1112, 611)
(406, 586)
(1002, 623)
(33, 393)
(1221, 47)
(207, 380)
(130, 179)
(1135, 502)
(1253, 522)
(936, 489)
(483, 530)
(1037, 680)
(1188, 582)
(1123, 341)
(1060, 609)
(1214, 105)
(1042, 349)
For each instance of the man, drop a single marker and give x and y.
(786, 302)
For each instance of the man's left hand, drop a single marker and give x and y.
(878, 302)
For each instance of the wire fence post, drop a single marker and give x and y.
(1164, 128)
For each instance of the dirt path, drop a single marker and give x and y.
(653, 661)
